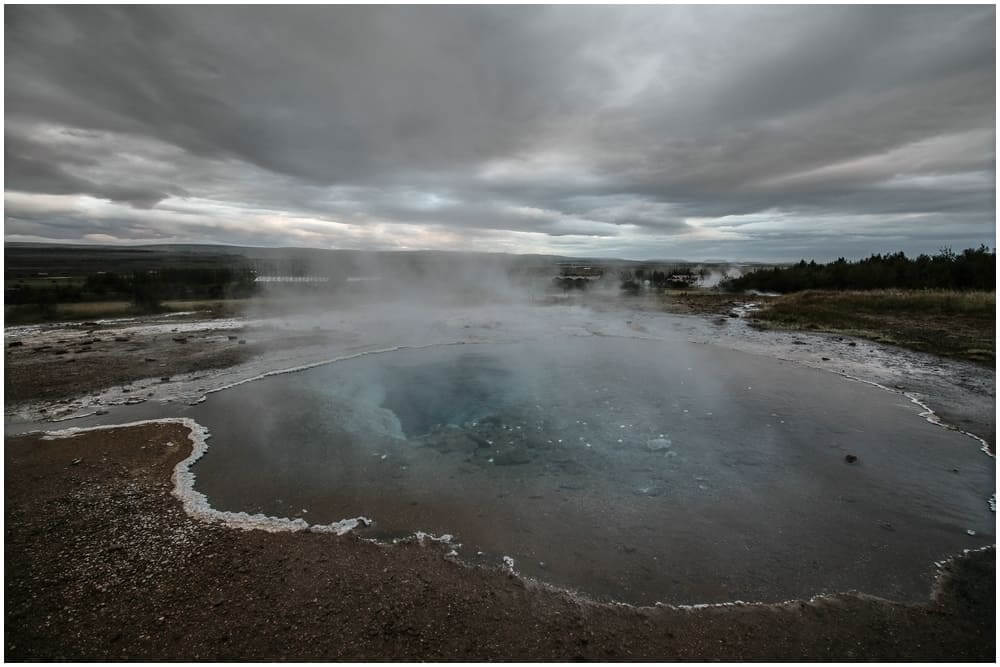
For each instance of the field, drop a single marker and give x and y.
(93, 310)
(945, 322)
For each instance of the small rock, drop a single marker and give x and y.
(511, 458)
(825, 358)
(121, 339)
(75, 462)
(242, 341)
(851, 458)
(232, 337)
(853, 344)
(658, 444)
(970, 532)
(180, 339)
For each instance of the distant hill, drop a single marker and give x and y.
(26, 259)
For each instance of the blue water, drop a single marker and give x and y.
(628, 469)
(633, 470)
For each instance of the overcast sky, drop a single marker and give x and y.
(739, 132)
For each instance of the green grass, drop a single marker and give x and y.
(944, 322)
(95, 310)
(36, 282)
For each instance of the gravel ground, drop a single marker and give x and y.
(60, 361)
(102, 563)
(53, 365)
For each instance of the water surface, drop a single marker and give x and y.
(633, 470)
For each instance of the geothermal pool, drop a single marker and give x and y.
(632, 470)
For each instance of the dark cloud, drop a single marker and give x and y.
(637, 131)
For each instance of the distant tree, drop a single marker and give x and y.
(973, 268)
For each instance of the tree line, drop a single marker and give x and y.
(145, 289)
(972, 269)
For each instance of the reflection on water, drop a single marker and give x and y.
(628, 469)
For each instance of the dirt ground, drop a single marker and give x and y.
(102, 563)
(78, 358)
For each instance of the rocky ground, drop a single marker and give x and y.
(57, 361)
(102, 563)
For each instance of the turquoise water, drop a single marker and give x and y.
(632, 470)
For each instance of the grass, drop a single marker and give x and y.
(944, 322)
(94, 310)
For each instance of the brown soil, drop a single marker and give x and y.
(102, 563)
(74, 361)
(703, 302)
(681, 302)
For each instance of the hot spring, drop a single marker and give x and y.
(632, 470)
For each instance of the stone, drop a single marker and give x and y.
(511, 458)
(658, 444)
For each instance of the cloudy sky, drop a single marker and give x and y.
(765, 133)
